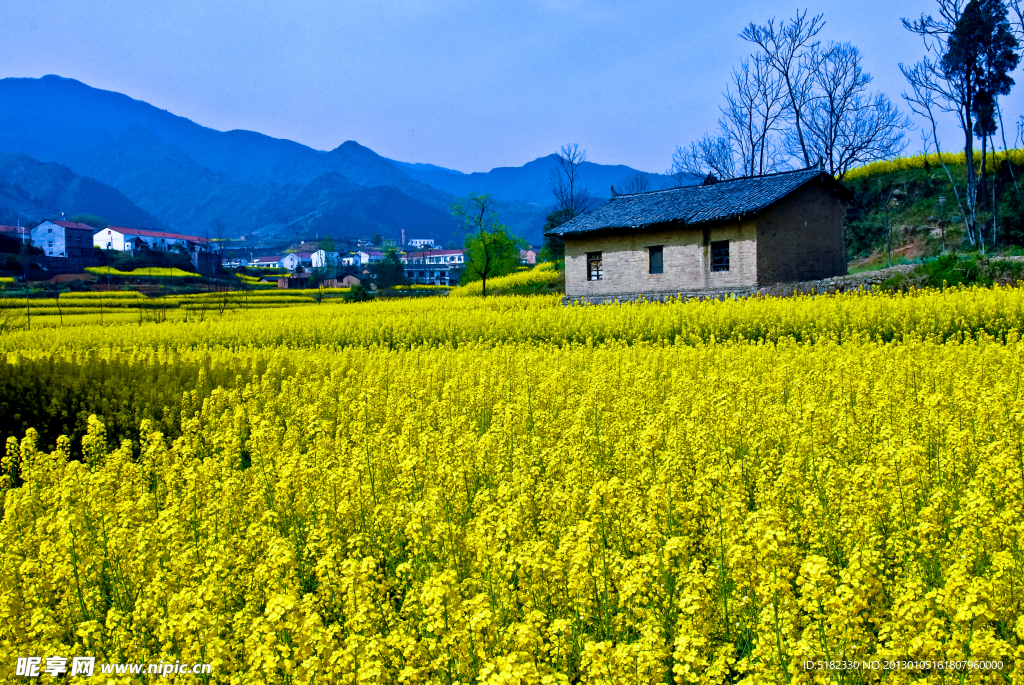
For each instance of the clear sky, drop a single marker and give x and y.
(467, 85)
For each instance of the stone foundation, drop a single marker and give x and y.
(836, 284)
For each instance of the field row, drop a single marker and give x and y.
(533, 513)
(925, 314)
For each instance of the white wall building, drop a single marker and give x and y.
(273, 262)
(437, 267)
(63, 238)
(294, 260)
(129, 239)
(320, 259)
(422, 242)
(370, 256)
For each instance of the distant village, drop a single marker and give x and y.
(61, 246)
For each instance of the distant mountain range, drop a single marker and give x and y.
(128, 162)
(31, 190)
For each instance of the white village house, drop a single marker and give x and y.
(130, 239)
(369, 256)
(294, 260)
(272, 262)
(322, 258)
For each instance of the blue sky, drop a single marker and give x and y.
(467, 85)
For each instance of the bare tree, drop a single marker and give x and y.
(570, 195)
(1016, 18)
(793, 103)
(790, 49)
(923, 101)
(637, 182)
(754, 107)
(710, 155)
(844, 125)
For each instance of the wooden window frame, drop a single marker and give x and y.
(656, 266)
(719, 250)
(595, 274)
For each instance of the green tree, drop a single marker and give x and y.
(89, 220)
(981, 55)
(974, 51)
(388, 272)
(376, 239)
(490, 250)
(553, 249)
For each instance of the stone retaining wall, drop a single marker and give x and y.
(837, 284)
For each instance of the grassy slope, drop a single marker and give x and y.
(912, 187)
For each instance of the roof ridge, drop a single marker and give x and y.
(720, 181)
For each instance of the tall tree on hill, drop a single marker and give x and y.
(490, 250)
(970, 51)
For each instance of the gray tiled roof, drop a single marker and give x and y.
(691, 205)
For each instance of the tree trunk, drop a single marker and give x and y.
(972, 184)
(982, 185)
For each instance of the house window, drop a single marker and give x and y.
(720, 255)
(656, 259)
(594, 270)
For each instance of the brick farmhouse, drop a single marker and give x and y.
(718, 236)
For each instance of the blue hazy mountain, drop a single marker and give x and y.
(31, 191)
(531, 182)
(191, 178)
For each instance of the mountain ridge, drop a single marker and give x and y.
(193, 178)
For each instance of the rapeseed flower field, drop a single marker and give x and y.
(504, 490)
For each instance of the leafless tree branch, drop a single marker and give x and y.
(789, 48)
(570, 195)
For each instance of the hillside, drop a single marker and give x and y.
(31, 191)
(920, 221)
(531, 182)
(192, 178)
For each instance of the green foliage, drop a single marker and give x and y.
(490, 250)
(357, 294)
(553, 249)
(388, 272)
(958, 270)
(490, 256)
(1011, 216)
(56, 396)
(89, 220)
(917, 211)
(129, 261)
